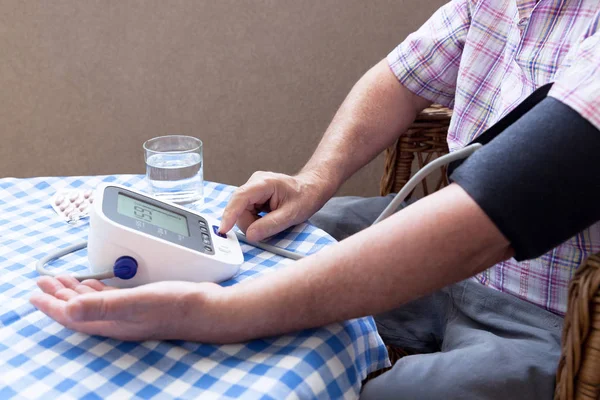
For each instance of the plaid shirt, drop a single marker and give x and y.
(482, 58)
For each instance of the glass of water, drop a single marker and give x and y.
(174, 168)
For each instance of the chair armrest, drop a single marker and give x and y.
(425, 140)
(578, 375)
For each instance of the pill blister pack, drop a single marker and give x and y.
(72, 205)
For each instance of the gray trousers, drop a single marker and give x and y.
(473, 342)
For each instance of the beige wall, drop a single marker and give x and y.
(83, 83)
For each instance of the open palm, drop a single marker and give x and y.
(164, 310)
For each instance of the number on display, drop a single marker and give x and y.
(143, 213)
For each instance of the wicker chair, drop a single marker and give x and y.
(578, 374)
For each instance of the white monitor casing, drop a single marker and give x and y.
(158, 259)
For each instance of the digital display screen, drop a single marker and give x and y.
(151, 214)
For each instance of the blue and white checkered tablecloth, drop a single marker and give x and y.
(41, 359)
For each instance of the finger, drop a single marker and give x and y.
(246, 219)
(106, 305)
(49, 285)
(51, 306)
(271, 224)
(242, 200)
(65, 294)
(73, 284)
(82, 289)
(68, 281)
(97, 285)
(56, 309)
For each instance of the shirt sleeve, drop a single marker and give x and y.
(427, 61)
(579, 85)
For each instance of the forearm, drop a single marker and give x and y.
(375, 112)
(437, 241)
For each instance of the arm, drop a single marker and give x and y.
(375, 111)
(422, 70)
(439, 240)
(528, 190)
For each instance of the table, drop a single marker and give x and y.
(40, 358)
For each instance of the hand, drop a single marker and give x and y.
(164, 310)
(289, 200)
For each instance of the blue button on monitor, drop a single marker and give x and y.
(216, 231)
(125, 267)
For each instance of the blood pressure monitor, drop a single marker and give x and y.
(163, 240)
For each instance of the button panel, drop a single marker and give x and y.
(206, 239)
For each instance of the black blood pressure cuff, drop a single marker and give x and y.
(537, 176)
